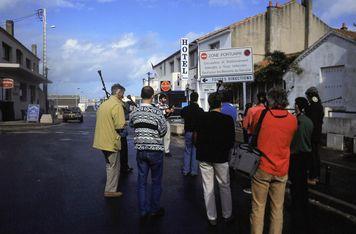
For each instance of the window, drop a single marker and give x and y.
(8, 94)
(215, 45)
(28, 63)
(34, 67)
(6, 52)
(23, 92)
(19, 56)
(32, 93)
(178, 60)
(171, 66)
(192, 60)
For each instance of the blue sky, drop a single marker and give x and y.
(122, 37)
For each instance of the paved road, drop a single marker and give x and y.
(52, 181)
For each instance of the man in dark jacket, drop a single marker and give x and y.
(190, 115)
(215, 138)
(315, 112)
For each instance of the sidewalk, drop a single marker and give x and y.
(21, 124)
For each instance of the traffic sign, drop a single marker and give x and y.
(7, 83)
(165, 86)
(227, 79)
(209, 87)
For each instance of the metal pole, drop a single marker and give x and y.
(148, 79)
(44, 56)
(244, 94)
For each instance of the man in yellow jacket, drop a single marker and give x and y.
(110, 120)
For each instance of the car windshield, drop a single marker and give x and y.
(72, 109)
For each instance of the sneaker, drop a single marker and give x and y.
(168, 155)
(159, 213)
(247, 190)
(113, 194)
(213, 222)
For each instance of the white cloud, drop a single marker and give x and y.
(224, 2)
(331, 9)
(125, 41)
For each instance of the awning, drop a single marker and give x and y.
(15, 71)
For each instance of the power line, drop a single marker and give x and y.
(37, 13)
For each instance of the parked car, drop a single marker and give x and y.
(72, 113)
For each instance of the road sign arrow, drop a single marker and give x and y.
(204, 80)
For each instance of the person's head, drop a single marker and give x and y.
(118, 91)
(261, 98)
(227, 96)
(312, 94)
(162, 98)
(147, 93)
(300, 104)
(214, 101)
(277, 98)
(194, 97)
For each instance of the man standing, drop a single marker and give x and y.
(110, 120)
(215, 138)
(274, 139)
(315, 112)
(227, 108)
(124, 153)
(162, 105)
(190, 115)
(150, 127)
(300, 153)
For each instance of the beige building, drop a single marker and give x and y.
(21, 65)
(290, 28)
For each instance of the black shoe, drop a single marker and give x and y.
(126, 170)
(159, 213)
(143, 219)
(229, 220)
(213, 222)
(168, 155)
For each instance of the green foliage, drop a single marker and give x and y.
(278, 63)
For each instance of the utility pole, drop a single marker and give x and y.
(43, 15)
(148, 78)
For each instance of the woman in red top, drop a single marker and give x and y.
(274, 139)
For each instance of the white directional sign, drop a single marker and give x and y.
(233, 62)
(227, 79)
(209, 88)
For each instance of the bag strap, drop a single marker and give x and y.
(258, 128)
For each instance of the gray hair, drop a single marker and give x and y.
(116, 87)
(277, 98)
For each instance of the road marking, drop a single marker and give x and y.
(65, 139)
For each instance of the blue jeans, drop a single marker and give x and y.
(147, 160)
(190, 164)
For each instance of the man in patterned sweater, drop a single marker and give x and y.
(150, 127)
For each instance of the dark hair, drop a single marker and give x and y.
(214, 101)
(277, 98)
(162, 95)
(194, 97)
(116, 87)
(227, 96)
(147, 92)
(302, 103)
(261, 97)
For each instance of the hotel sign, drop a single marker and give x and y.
(184, 58)
(7, 83)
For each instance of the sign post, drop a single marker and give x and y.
(184, 58)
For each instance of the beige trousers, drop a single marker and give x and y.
(221, 172)
(167, 138)
(263, 185)
(112, 170)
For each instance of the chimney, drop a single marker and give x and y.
(34, 49)
(344, 27)
(10, 27)
(308, 4)
(270, 4)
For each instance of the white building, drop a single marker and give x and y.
(330, 65)
(21, 65)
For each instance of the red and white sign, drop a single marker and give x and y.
(165, 86)
(7, 83)
(234, 62)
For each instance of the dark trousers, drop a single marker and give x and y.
(124, 155)
(314, 161)
(299, 191)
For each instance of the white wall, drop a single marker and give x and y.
(338, 55)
